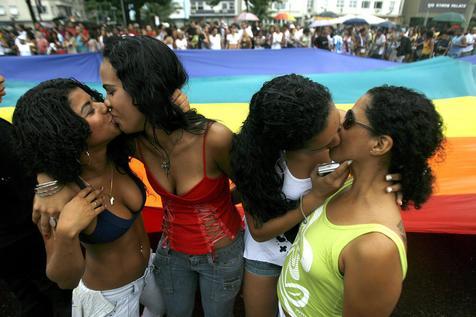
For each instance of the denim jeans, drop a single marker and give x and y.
(219, 277)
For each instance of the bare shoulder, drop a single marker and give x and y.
(219, 137)
(374, 249)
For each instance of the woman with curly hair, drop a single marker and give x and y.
(349, 258)
(64, 130)
(291, 125)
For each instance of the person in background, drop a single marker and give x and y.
(25, 290)
(214, 39)
(428, 46)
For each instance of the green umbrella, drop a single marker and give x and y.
(450, 17)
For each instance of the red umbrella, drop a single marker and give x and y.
(284, 16)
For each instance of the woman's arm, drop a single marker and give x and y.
(372, 276)
(65, 262)
(322, 187)
(64, 259)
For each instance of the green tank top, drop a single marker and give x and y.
(310, 283)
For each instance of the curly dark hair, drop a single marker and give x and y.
(416, 128)
(150, 72)
(284, 114)
(51, 137)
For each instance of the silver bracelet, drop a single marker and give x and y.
(48, 188)
(302, 211)
(47, 184)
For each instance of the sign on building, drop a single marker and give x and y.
(440, 6)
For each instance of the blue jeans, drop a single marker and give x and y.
(219, 278)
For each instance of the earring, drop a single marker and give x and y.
(89, 158)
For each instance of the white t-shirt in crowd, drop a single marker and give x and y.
(337, 44)
(247, 30)
(181, 44)
(215, 41)
(277, 39)
(233, 38)
(275, 250)
(469, 43)
(23, 48)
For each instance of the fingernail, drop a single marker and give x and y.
(400, 202)
(101, 188)
(388, 177)
(349, 162)
(389, 189)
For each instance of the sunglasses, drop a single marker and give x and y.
(349, 122)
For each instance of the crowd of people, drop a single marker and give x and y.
(88, 198)
(401, 45)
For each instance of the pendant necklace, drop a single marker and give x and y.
(111, 197)
(165, 165)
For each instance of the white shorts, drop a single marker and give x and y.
(122, 301)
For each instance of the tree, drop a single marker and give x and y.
(101, 10)
(259, 7)
(162, 9)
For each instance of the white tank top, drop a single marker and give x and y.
(275, 250)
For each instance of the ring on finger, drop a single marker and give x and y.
(53, 222)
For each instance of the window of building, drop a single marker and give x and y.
(224, 5)
(365, 4)
(199, 5)
(378, 5)
(43, 9)
(353, 4)
(2, 10)
(340, 3)
(13, 10)
(391, 6)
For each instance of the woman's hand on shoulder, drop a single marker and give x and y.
(80, 211)
(46, 207)
(180, 99)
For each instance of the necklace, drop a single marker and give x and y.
(165, 165)
(111, 197)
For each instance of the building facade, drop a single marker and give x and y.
(225, 10)
(387, 9)
(420, 12)
(44, 10)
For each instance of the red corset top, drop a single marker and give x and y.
(194, 221)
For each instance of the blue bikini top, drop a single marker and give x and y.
(110, 227)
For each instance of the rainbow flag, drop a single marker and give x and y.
(221, 84)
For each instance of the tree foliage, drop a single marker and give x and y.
(259, 7)
(161, 8)
(145, 9)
